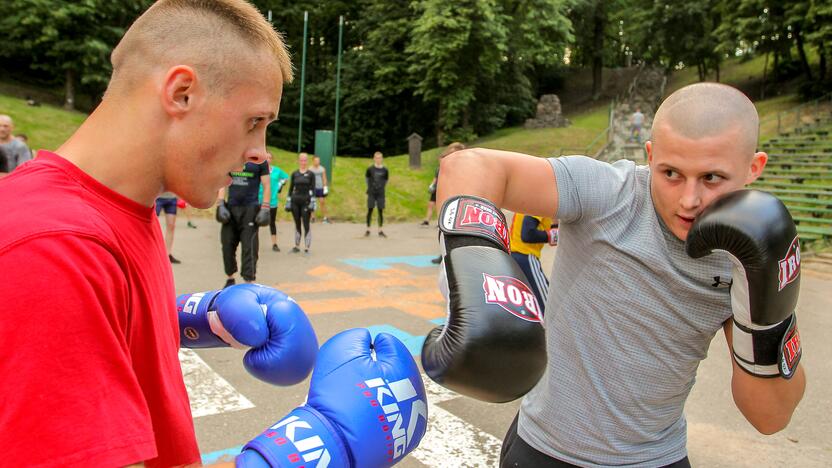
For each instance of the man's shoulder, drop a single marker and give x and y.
(40, 201)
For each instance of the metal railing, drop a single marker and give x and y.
(804, 116)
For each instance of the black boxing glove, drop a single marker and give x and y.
(263, 216)
(758, 232)
(493, 346)
(223, 215)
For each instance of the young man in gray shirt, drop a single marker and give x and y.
(631, 314)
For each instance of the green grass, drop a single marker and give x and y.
(546, 142)
(46, 126)
(407, 190)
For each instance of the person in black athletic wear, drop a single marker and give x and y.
(376, 176)
(301, 201)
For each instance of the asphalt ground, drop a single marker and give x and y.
(388, 284)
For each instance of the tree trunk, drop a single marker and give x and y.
(69, 102)
(763, 87)
(822, 64)
(807, 70)
(716, 68)
(597, 53)
(440, 134)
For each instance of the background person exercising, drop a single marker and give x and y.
(246, 213)
(631, 313)
(277, 178)
(167, 202)
(376, 177)
(321, 188)
(299, 202)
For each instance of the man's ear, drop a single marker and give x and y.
(648, 146)
(758, 163)
(178, 90)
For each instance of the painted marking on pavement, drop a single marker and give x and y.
(383, 263)
(449, 440)
(392, 288)
(413, 342)
(209, 393)
(221, 456)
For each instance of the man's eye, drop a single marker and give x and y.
(712, 178)
(670, 174)
(255, 122)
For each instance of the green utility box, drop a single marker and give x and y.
(324, 143)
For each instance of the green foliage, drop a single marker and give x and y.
(70, 41)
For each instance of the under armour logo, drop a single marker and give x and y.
(718, 283)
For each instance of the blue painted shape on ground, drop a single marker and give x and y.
(438, 321)
(384, 263)
(226, 455)
(413, 343)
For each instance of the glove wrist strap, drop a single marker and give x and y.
(768, 352)
(473, 216)
(301, 437)
(200, 325)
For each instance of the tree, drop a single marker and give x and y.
(70, 40)
(454, 46)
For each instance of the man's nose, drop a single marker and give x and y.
(258, 154)
(691, 197)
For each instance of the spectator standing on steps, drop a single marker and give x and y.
(636, 122)
(376, 176)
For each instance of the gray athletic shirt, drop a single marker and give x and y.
(319, 176)
(628, 319)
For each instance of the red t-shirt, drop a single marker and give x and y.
(89, 373)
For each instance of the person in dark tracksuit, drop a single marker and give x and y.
(301, 201)
(241, 229)
(376, 176)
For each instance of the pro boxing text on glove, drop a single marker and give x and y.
(493, 346)
(366, 408)
(758, 232)
(282, 342)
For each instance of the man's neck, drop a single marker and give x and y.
(105, 148)
(6, 140)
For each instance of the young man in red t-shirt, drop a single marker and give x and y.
(90, 327)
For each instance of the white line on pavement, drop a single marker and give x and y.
(450, 441)
(209, 393)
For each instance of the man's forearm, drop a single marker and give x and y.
(767, 403)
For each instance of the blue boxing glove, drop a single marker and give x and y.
(366, 408)
(282, 342)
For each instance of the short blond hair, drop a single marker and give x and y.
(212, 36)
(452, 148)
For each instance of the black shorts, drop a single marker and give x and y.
(167, 204)
(319, 193)
(517, 453)
(433, 196)
(375, 200)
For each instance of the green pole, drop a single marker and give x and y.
(302, 77)
(338, 84)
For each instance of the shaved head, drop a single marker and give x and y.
(219, 39)
(704, 110)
